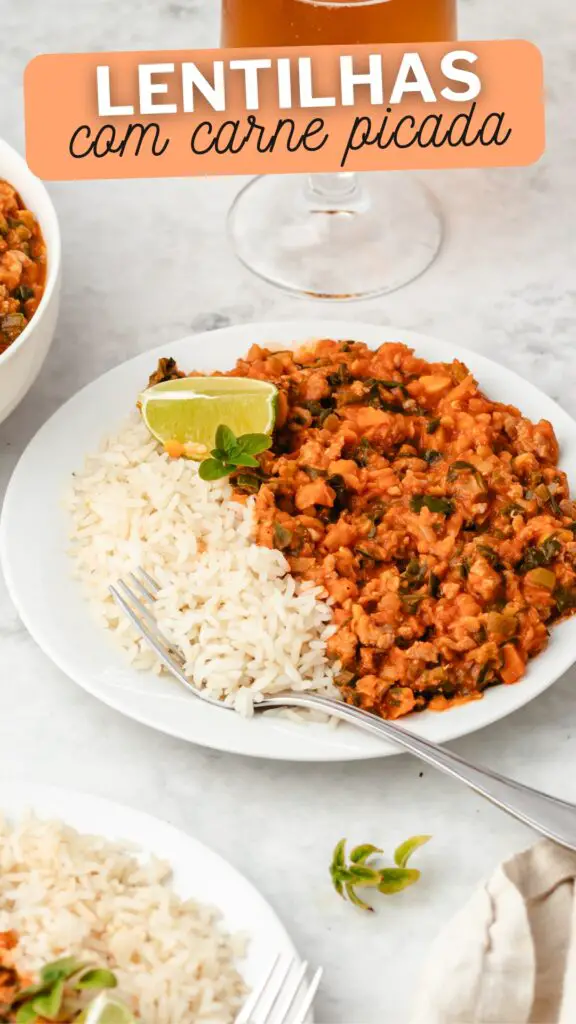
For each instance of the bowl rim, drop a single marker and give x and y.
(54, 253)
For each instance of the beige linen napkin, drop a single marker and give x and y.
(509, 957)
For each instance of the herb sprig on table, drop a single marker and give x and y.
(232, 452)
(361, 870)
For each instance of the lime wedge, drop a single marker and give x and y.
(184, 414)
(106, 1010)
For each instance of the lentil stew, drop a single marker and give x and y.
(22, 265)
(437, 520)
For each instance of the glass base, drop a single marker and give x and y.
(336, 236)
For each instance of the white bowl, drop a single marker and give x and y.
(22, 361)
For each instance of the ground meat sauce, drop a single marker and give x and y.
(437, 520)
(12, 981)
(22, 265)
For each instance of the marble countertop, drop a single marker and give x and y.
(148, 261)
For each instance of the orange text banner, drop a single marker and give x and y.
(282, 110)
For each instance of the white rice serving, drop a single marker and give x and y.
(67, 894)
(243, 624)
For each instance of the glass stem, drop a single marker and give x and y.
(340, 192)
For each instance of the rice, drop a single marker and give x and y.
(243, 625)
(67, 894)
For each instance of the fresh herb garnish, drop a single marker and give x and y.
(464, 569)
(410, 602)
(341, 377)
(544, 495)
(376, 511)
(511, 510)
(231, 452)
(485, 673)
(534, 557)
(413, 575)
(282, 536)
(359, 873)
(461, 466)
(555, 506)
(96, 977)
(551, 548)
(59, 980)
(338, 485)
(362, 452)
(491, 556)
(433, 585)
(247, 482)
(433, 425)
(23, 293)
(531, 559)
(444, 506)
(405, 452)
(390, 385)
(371, 552)
(565, 599)
(320, 410)
(313, 472)
(456, 467)
(430, 456)
(378, 400)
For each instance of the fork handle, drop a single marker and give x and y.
(548, 815)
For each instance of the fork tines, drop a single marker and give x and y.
(283, 996)
(135, 596)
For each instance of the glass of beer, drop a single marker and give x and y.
(336, 236)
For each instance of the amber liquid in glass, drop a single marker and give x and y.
(305, 23)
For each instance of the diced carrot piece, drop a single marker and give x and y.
(430, 384)
(514, 665)
(399, 701)
(340, 535)
(368, 417)
(8, 940)
(174, 449)
(317, 492)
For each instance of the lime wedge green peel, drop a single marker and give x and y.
(184, 414)
(106, 1010)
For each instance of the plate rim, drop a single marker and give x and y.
(302, 329)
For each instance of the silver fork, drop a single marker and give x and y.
(546, 814)
(283, 997)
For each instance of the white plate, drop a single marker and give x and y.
(198, 872)
(33, 544)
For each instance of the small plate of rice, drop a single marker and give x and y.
(185, 935)
(110, 499)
